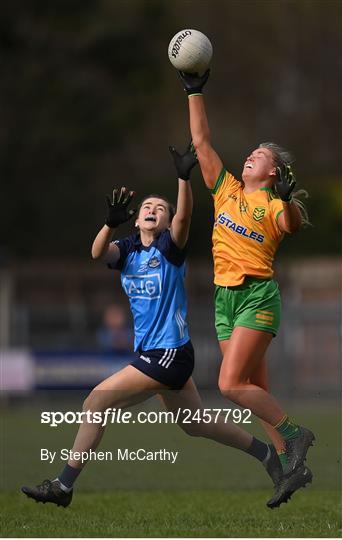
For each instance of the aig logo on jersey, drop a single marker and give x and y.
(259, 212)
(144, 287)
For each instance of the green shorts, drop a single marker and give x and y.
(255, 304)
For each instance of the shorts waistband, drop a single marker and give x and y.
(247, 281)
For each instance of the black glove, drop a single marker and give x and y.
(184, 162)
(285, 182)
(117, 207)
(192, 82)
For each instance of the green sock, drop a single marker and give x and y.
(283, 459)
(287, 429)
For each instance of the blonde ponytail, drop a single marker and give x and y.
(284, 157)
(302, 206)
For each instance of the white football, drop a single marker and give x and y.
(190, 51)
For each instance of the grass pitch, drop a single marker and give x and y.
(175, 514)
(212, 490)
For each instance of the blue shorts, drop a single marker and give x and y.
(172, 367)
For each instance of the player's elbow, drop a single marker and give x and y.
(201, 142)
(95, 253)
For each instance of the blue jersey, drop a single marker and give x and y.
(153, 279)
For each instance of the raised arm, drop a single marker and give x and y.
(101, 246)
(291, 219)
(210, 163)
(180, 225)
(117, 213)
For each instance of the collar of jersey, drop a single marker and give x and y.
(138, 243)
(257, 190)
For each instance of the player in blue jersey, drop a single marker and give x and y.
(152, 267)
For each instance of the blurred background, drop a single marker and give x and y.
(90, 101)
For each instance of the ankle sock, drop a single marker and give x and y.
(68, 477)
(286, 428)
(282, 458)
(259, 449)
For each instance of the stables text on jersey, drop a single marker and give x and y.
(224, 219)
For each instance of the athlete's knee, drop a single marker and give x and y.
(193, 429)
(230, 387)
(93, 402)
(88, 403)
(225, 389)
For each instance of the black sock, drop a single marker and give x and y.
(68, 476)
(258, 449)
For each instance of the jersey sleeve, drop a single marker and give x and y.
(277, 208)
(125, 246)
(168, 248)
(225, 183)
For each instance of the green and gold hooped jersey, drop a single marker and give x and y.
(246, 233)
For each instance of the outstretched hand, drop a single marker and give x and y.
(117, 207)
(192, 82)
(184, 163)
(285, 182)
